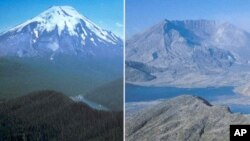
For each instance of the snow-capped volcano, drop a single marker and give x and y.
(60, 29)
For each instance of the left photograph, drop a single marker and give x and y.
(61, 70)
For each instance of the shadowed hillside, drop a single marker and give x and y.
(109, 95)
(49, 115)
(68, 74)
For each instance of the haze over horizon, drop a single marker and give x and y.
(139, 18)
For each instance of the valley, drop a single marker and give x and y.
(187, 80)
(196, 57)
(50, 65)
(215, 95)
(71, 75)
(61, 50)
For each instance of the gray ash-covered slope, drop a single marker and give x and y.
(184, 118)
(59, 30)
(176, 48)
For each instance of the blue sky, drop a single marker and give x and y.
(108, 14)
(141, 14)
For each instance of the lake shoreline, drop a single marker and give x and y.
(224, 96)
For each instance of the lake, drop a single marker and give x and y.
(215, 95)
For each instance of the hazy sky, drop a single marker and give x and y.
(107, 14)
(141, 14)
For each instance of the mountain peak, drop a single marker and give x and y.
(64, 7)
(198, 22)
(178, 49)
(58, 17)
(177, 116)
(65, 11)
(65, 17)
(57, 29)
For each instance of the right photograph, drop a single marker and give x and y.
(187, 69)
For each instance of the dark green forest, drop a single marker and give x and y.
(52, 116)
(109, 95)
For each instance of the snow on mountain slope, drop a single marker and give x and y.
(186, 53)
(60, 29)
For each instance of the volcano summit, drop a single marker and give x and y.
(58, 30)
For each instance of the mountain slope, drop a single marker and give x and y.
(49, 115)
(68, 74)
(58, 30)
(184, 118)
(84, 55)
(172, 50)
(110, 95)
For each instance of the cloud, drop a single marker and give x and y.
(237, 18)
(118, 24)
